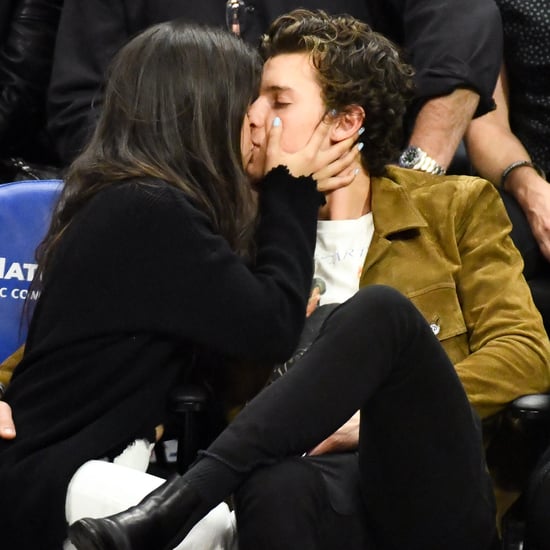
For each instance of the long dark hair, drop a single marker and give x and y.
(173, 109)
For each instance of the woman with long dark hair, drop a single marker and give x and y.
(158, 250)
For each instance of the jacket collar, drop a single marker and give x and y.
(392, 207)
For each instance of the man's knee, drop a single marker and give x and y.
(378, 303)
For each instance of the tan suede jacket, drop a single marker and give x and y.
(444, 242)
(7, 365)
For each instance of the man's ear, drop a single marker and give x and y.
(348, 123)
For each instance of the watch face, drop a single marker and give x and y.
(409, 157)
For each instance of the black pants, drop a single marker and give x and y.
(311, 503)
(421, 467)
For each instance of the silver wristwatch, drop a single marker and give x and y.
(415, 158)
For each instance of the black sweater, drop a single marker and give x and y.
(138, 283)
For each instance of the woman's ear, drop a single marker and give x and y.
(348, 123)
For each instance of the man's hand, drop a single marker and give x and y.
(492, 147)
(539, 217)
(7, 427)
(533, 195)
(344, 439)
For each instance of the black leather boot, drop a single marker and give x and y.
(159, 522)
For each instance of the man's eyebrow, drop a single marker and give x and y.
(275, 88)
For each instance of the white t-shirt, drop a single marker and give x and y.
(340, 252)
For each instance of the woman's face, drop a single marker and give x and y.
(247, 147)
(289, 90)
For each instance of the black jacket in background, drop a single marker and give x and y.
(28, 30)
(451, 43)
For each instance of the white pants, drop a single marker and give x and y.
(101, 488)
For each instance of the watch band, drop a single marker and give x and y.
(417, 159)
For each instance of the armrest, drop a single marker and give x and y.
(187, 398)
(530, 408)
(185, 401)
(520, 433)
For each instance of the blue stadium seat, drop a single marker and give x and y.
(25, 213)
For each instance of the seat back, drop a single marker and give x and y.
(25, 213)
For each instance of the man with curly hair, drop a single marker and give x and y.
(443, 241)
(413, 479)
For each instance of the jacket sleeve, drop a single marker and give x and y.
(510, 351)
(25, 65)
(8, 365)
(90, 33)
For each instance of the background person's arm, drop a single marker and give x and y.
(442, 122)
(455, 48)
(492, 147)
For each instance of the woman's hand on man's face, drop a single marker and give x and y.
(332, 167)
(341, 171)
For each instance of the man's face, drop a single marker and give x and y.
(289, 90)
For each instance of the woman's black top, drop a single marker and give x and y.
(138, 284)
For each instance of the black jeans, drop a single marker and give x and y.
(421, 466)
(311, 503)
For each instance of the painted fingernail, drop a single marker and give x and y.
(276, 121)
(360, 146)
(361, 130)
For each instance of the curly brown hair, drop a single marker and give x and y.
(356, 66)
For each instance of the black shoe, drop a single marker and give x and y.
(159, 522)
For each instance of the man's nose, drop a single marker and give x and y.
(257, 113)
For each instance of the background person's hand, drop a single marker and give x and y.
(537, 210)
(7, 427)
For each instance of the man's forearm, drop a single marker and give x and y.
(441, 123)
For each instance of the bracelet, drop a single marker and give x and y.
(519, 164)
